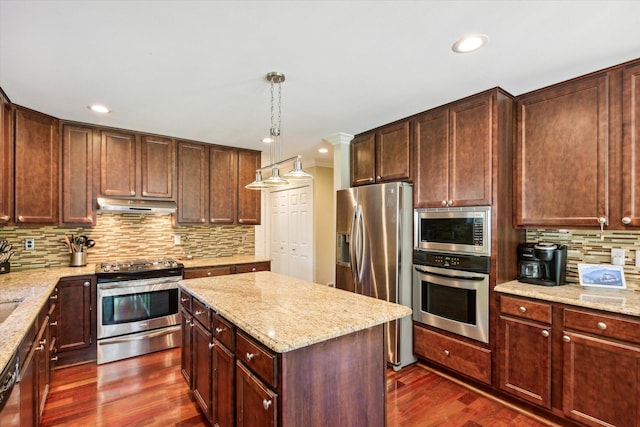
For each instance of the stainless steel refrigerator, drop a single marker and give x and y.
(374, 254)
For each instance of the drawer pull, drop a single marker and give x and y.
(86, 284)
(211, 345)
(266, 404)
(54, 359)
(208, 273)
(545, 333)
(198, 312)
(54, 323)
(602, 325)
(446, 353)
(39, 348)
(522, 309)
(250, 356)
(184, 299)
(566, 338)
(53, 297)
(219, 330)
(191, 324)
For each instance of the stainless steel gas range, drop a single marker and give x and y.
(138, 308)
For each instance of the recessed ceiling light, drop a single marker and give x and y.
(323, 150)
(470, 43)
(99, 108)
(267, 140)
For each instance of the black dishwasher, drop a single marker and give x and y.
(10, 395)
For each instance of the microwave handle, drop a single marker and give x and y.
(451, 276)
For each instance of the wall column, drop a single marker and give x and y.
(341, 159)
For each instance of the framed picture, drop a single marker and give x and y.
(602, 276)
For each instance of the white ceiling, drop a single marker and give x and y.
(196, 69)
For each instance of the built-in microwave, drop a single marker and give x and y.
(463, 230)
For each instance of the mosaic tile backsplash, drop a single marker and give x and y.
(587, 247)
(124, 236)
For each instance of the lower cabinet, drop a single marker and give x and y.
(222, 270)
(257, 404)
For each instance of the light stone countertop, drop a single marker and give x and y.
(613, 300)
(285, 313)
(32, 287)
(218, 261)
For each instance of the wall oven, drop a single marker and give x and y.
(138, 308)
(464, 230)
(451, 292)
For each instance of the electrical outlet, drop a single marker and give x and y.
(29, 244)
(617, 256)
(177, 240)
(638, 258)
(243, 238)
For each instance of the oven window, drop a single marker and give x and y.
(447, 230)
(140, 306)
(449, 302)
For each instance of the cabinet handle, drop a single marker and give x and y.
(20, 218)
(191, 324)
(201, 219)
(211, 345)
(444, 203)
(184, 299)
(602, 325)
(39, 348)
(212, 220)
(6, 218)
(90, 220)
(378, 177)
(266, 404)
(53, 297)
(219, 330)
(566, 338)
(86, 284)
(450, 203)
(371, 179)
(198, 312)
(254, 269)
(545, 333)
(54, 359)
(626, 220)
(54, 323)
(250, 356)
(43, 342)
(208, 273)
(522, 309)
(446, 352)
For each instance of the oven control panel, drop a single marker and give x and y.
(478, 264)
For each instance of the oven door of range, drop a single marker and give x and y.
(136, 306)
(452, 300)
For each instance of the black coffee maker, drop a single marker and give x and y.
(542, 263)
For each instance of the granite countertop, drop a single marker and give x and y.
(32, 287)
(218, 261)
(285, 313)
(613, 300)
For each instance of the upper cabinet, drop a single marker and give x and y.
(382, 155)
(193, 188)
(577, 148)
(136, 166)
(77, 175)
(248, 200)
(223, 182)
(37, 154)
(456, 148)
(6, 161)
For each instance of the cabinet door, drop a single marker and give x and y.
(393, 150)
(77, 175)
(6, 161)
(601, 381)
(37, 148)
(471, 134)
(253, 267)
(562, 145)
(73, 331)
(363, 159)
(223, 382)
(248, 200)
(223, 185)
(186, 366)
(256, 405)
(158, 164)
(193, 166)
(117, 164)
(431, 171)
(41, 364)
(631, 147)
(201, 359)
(525, 360)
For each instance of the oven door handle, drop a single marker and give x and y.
(448, 276)
(156, 334)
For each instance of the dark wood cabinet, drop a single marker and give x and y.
(631, 146)
(256, 404)
(77, 175)
(75, 302)
(37, 154)
(223, 185)
(201, 356)
(221, 270)
(223, 377)
(186, 349)
(157, 167)
(454, 147)
(6, 160)
(382, 155)
(193, 176)
(525, 350)
(117, 164)
(248, 200)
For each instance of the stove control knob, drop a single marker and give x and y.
(174, 264)
(116, 268)
(106, 268)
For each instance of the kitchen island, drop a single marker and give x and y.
(305, 354)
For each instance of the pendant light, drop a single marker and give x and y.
(275, 147)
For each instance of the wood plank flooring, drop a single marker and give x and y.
(150, 391)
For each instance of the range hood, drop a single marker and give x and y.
(136, 206)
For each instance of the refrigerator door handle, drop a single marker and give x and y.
(353, 249)
(359, 247)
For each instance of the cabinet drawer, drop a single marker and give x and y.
(603, 325)
(202, 313)
(252, 267)
(467, 359)
(185, 300)
(223, 331)
(259, 360)
(526, 309)
(195, 273)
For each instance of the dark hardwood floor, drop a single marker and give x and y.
(150, 391)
